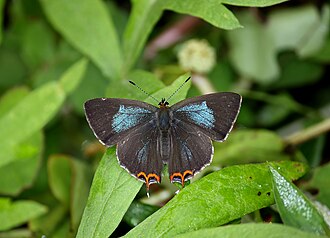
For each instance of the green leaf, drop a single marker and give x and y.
(69, 181)
(112, 191)
(253, 3)
(246, 146)
(216, 199)
(59, 175)
(49, 222)
(16, 213)
(137, 212)
(92, 85)
(145, 80)
(88, 26)
(33, 112)
(80, 184)
(246, 44)
(296, 72)
(11, 98)
(212, 11)
(301, 29)
(21, 172)
(139, 25)
(72, 78)
(295, 208)
(178, 89)
(39, 44)
(143, 17)
(257, 230)
(2, 4)
(11, 67)
(320, 181)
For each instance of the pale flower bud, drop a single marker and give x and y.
(197, 56)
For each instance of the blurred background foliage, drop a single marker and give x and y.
(54, 55)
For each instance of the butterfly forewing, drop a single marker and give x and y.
(214, 114)
(113, 119)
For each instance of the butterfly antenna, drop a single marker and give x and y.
(148, 94)
(178, 88)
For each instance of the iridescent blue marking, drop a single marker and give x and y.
(127, 117)
(199, 114)
(186, 151)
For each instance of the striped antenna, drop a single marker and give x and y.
(148, 94)
(178, 89)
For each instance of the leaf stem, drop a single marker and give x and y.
(202, 83)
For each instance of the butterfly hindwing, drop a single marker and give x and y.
(112, 119)
(139, 153)
(191, 151)
(214, 114)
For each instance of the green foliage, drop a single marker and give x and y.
(250, 231)
(56, 54)
(294, 207)
(216, 200)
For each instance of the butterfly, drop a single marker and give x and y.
(147, 137)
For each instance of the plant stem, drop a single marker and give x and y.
(202, 83)
(308, 133)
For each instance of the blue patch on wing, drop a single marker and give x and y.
(200, 114)
(128, 117)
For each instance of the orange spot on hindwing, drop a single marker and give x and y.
(148, 178)
(181, 177)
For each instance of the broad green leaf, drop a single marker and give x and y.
(246, 146)
(80, 184)
(21, 172)
(145, 80)
(38, 43)
(137, 212)
(112, 191)
(49, 222)
(320, 181)
(16, 213)
(92, 85)
(143, 17)
(139, 25)
(295, 208)
(296, 72)
(216, 199)
(2, 4)
(71, 78)
(301, 29)
(10, 98)
(246, 44)
(177, 91)
(17, 233)
(252, 3)
(87, 26)
(59, 174)
(11, 67)
(33, 112)
(212, 11)
(69, 181)
(63, 230)
(257, 230)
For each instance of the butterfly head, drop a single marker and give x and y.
(163, 103)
